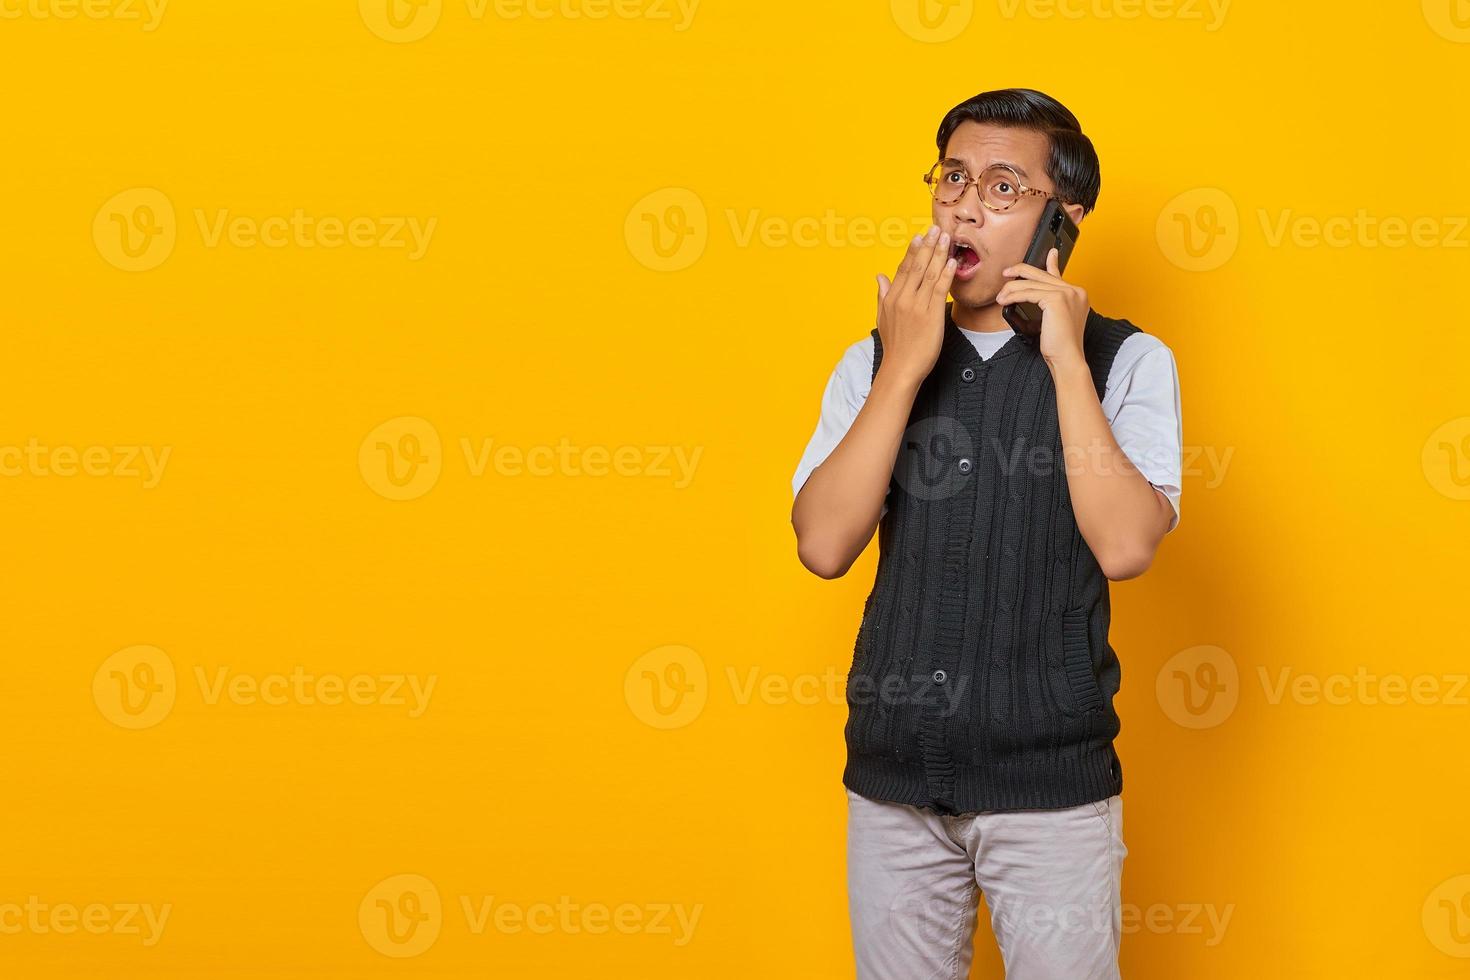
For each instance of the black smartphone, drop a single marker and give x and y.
(1056, 229)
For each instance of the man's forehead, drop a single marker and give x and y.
(980, 144)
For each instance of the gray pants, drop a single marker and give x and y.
(1051, 878)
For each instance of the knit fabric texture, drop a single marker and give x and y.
(982, 677)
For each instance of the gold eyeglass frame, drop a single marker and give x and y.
(931, 179)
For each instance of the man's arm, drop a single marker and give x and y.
(1119, 513)
(837, 509)
(1122, 516)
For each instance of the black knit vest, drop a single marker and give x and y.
(982, 678)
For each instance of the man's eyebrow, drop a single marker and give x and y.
(956, 162)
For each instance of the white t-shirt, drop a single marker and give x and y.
(1141, 403)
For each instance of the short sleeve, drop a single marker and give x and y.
(847, 389)
(1143, 407)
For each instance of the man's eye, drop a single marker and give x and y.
(956, 176)
(1003, 187)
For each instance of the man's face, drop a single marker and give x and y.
(999, 238)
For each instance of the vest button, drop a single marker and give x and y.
(968, 374)
(939, 677)
(965, 465)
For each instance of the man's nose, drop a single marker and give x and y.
(968, 209)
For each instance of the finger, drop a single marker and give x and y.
(883, 286)
(938, 256)
(910, 258)
(916, 259)
(946, 279)
(1015, 292)
(1023, 271)
(1052, 258)
(919, 271)
(1028, 286)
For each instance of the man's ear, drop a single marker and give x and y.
(1076, 212)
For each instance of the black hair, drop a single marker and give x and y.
(1072, 165)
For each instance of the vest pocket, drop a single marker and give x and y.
(1077, 662)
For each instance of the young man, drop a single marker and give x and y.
(1009, 478)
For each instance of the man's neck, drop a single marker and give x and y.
(982, 319)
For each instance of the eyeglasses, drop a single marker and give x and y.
(999, 186)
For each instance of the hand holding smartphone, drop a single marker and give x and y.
(1056, 229)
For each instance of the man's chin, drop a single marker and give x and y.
(972, 295)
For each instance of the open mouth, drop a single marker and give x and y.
(966, 259)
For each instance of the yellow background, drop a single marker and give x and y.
(546, 149)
